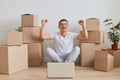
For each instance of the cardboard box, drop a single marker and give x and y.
(94, 37)
(116, 55)
(60, 70)
(93, 24)
(87, 53)
(31, 34)
(29, 20)
(34, 55)
(103, 61)
(14, 38)
(13, 58)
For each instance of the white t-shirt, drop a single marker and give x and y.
(64, 45)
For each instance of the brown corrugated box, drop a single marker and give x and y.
(116, 55)
(94, 37)
(29, 20)
(14, 38)
(31, 34)
(93, 24)
(13, 58)
(103, 61)
(87, 53)
(34, 54)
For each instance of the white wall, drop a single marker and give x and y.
(54, 10)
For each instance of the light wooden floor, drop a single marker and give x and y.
(81, 73)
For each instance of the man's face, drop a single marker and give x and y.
(63, 26)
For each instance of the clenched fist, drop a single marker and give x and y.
(44, 22)
(81, 22)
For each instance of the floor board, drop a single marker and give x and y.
(81, 73)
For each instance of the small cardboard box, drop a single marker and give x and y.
(93, 24)
(29, 20)
(34, 55)
(94, 37)
(103, 61)
(31, 34)
(116, 55)
(87, 53)
(13, 58)
(60, 70)
(14, 38)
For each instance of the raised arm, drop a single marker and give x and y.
(42, 32)
(84, 34)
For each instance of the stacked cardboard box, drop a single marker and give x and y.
(35, 56)
(94, 37)
(88, 53)
(93, 24)
(29, 33)
(31, 37)
(13, 55)
(103, 61)
(29, 20)
(16, 56)
(93, 43)
(116, 55)
(13, 58)
(14, 38)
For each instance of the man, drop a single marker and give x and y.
(64, 41)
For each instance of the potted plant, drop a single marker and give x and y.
(114, 33)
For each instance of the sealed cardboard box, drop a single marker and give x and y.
(60, 70)
(14, 38)
(87, 53)
(29, 20)
(103, 61)
(116, 55)
(93, 24)
(34, 55)
(13, 58)
(31, 34)
(94, 37)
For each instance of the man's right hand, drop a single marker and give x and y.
(44, 22)
(42, 34)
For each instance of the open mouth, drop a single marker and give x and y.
(63, 28)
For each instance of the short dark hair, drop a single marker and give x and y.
(63, 20)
